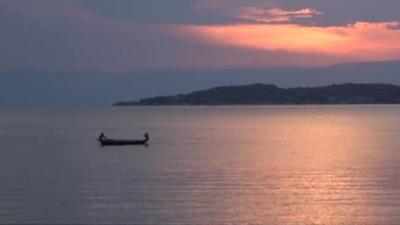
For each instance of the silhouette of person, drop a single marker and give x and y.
(102, 136)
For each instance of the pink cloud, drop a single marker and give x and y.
(267, 12)
(264, 15)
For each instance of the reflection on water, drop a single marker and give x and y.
(205, 165)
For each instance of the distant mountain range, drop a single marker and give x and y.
(95, 88)
(264, 94)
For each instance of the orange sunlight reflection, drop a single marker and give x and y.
(325, 182)
(360, 41)
(320, 183)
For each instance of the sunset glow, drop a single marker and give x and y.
(360, 41)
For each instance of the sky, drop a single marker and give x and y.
(135, 35)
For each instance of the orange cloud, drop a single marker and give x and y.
(361, 41)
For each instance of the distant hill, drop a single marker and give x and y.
(88, 88)
(264, 94)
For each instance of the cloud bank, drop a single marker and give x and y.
(125, 35)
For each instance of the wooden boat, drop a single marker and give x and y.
(112, 142)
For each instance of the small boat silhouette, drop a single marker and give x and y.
(104, 141)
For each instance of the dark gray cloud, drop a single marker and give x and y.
(53, 35)
(337, 12)
(155, 11)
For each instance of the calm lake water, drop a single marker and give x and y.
(205, 165)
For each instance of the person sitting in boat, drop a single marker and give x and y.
(102, 137)
(146, 136)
